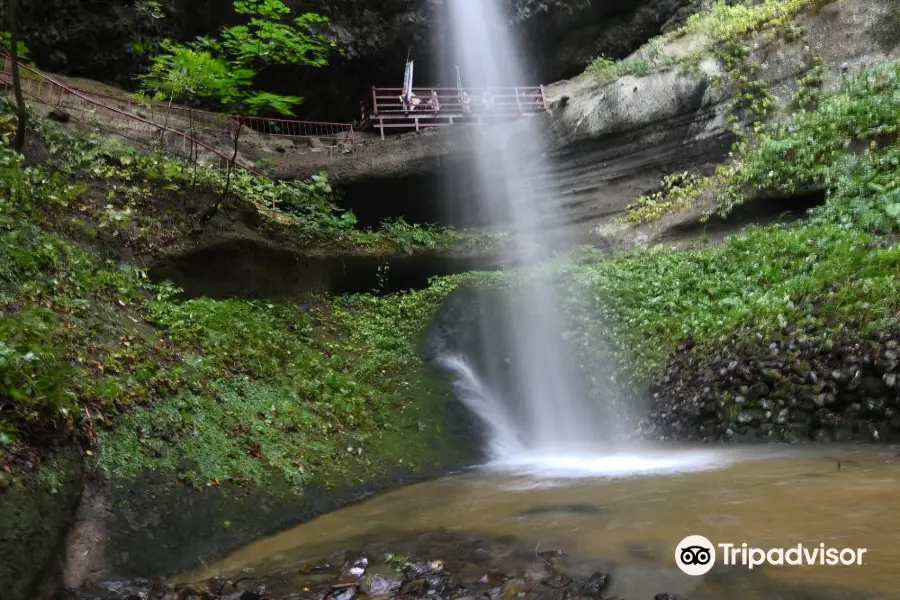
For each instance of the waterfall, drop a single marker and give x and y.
(523, 385)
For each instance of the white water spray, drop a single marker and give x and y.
(548, 412)
(523, 385)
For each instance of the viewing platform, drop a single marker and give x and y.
(440, 107)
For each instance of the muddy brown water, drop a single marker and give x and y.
(767, 497)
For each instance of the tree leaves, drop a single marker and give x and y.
(223, 69)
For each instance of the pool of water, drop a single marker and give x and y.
(630, 511)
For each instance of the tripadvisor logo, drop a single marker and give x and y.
(696, 555)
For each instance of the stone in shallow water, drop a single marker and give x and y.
(381, 583)
(595, 585)
(345, 594)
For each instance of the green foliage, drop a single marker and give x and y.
(679, 192)
(812, 149)
(248, 389)
(271, 36)
(184, 72)
(238, 433)
(809, 87)
(389, 327)
(223, 69)
(867, 194)
(605, 70)
(5, 42)
(726, 21)
(409, 237)
(315, 387)
(647, 301)
(307, 206)
(723, 27)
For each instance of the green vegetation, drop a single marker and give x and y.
(650, 58)
(843, 143)
(246, 390)
(606, 70)
(223, 69)
(825, 273)
(679, 191)
(144, 195)
(814, 149)
(648, 301)
(724, 24)
(726, 21)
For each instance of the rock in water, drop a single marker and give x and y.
(381, 582)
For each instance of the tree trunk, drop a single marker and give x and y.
(212, 211)
(165, 127)
(195, 150)
(21, 109)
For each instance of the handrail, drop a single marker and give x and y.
(501, 101)
(88, 102)
(269, 125)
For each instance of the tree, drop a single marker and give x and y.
(185, 72)
(224, 69)
(272, 37)
(15, 49)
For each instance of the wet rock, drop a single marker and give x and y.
(798, 384)
(757, 391)
(380, 582)
(343, 594)
(595, 585)
(417, 587)
(417, 570)
(512, 589)
(435, 583)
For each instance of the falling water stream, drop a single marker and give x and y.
(555, 479)
(542, 411)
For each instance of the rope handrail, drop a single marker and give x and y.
(87, 101)
(297, 127)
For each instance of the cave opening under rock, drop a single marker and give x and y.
(251, 269)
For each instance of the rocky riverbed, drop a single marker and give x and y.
(439, 565)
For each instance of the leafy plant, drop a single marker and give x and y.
(224, 69)
(605, 70)
(733, 20)
(810, 149)
(271, 36)
(646, 302)
(678, 192)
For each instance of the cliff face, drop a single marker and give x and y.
(96, 40)
(609, 142)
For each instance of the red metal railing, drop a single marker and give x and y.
(64, 99)
(207, 121)
(439, 107)
(480, 101)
